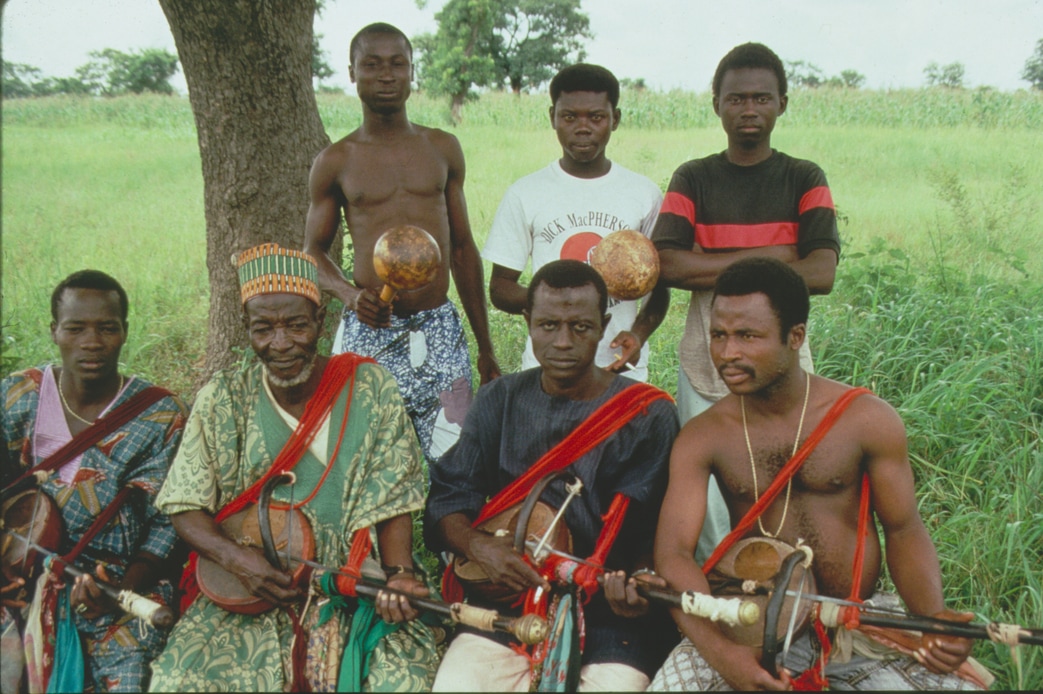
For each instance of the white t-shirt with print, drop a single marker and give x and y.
(550, 215)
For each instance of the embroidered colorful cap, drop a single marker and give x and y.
(272, 269)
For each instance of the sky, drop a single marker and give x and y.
(669, 43)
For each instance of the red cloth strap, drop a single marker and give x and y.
(612, 416)
(99, 429)
(849, 613)
(586, 576)
(784, 476)
(361, 544)
(602, 423)
(100, 522)
(340, 370)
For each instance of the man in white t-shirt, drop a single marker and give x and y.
(563, 211)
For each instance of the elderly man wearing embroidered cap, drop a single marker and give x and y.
(248, 425)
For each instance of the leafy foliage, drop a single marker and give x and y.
(1033, 72)
(950, 75)
(802, 74)
(460, 54)
(320, 69)
(111, 72)
(108, 73)
(499, 43)
(536, 38)
(22, 81)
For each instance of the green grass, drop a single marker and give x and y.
(936, 305)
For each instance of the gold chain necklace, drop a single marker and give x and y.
(753, 465)
(61, 394)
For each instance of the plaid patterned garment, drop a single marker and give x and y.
(118, 648)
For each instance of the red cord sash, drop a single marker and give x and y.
(602, 423)
(784, 476)
(339, 371)
(615, 413)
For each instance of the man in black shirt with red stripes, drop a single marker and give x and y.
(749, 200)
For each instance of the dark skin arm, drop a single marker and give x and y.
(695, 270)
(466, 263)
(320, 229)
(653, 310)
(248, 564)
(505, 292)
(496, 555)
(911, 555)
(141, 572)
(395, 541)
(680, 522)
(621, 592)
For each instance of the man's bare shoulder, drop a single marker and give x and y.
(444, 142)
(867, 418)
(700, 434)
(340, 149)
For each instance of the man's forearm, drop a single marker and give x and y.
(913, 564)
(695, 270)
(468, 277)
(653, 311)
(331, 277)
(395, 540)
(203, 534)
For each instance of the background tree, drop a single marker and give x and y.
(950, 76)
(248, 66)
(851, 79)
(111, 72)
(19, 79)
(536, 38)
(489, 43)
(459, 54)
(802, 74)
(320, 69)
(1033, 72)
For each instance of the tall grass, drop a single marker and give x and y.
(936, 306)
(961, 357)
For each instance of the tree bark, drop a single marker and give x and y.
(248, 65)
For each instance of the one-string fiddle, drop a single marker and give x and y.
(529, 629)
(159, 616)
(732, 611)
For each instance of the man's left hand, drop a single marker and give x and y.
(396, 608)
(86, 598)
(488, 369)
(629, 346)
(942, 654)
(621, 592)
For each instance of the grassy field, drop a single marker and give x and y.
(937, 305)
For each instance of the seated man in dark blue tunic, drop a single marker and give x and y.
(611, 433)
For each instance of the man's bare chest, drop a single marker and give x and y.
(832, 467)
(379, 175)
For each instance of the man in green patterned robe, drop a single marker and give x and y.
(362, 470)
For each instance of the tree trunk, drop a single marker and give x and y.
(248, 65)
(456, 107)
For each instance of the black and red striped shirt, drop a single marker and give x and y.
(722, 206)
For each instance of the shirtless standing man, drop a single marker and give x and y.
(758, 322)
(387, 173)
